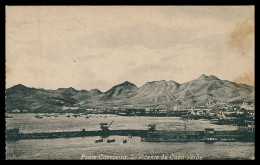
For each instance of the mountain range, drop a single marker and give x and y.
(204, 89)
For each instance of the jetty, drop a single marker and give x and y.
(243, 134)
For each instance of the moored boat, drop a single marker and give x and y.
(38, 117)
(76, 115)
(111, 141)
(8, 116)
(99, 140)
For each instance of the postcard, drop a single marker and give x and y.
(130, 83)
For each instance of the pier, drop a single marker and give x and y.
(150, 135)
(14, 135)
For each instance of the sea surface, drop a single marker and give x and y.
(85, 148)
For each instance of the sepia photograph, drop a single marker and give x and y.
(130, 82)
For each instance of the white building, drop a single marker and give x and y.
(16, 110)
(247, 106)
(70, 108)
(201, 110)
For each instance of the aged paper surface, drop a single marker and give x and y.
(130, 82)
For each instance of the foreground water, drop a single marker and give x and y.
(85, 148)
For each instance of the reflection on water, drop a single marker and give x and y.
(75, 148)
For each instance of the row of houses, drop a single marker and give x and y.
(161, 110)
(19, 111)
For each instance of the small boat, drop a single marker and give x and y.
(129, 135)
(56, 115)
(87, 117)
(111, 141)
(68, 116)
(38, 117)
(8, 116)
(105, 116)
(76, 115)
(98, 141)
(125, 141)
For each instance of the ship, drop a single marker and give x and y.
(99, 140)
(38, 117)
(76, 115)
(111, 141)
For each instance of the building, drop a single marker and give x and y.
(250, 108)
(200, 110)
(16, 111)
(69, 108)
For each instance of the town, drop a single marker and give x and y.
(217, 113)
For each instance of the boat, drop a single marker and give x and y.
(87, 117)
(56, 115)
(68, 116)
(124, 141)
(38, 117)
(99, 140)
(8, 116)
(111, 141)
(47, 115)
(76, 115)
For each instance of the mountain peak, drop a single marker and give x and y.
(171, 82)
(95, 91)
(203, 76)
(19, 86)
(68, 90)
(123, 90)
(212, 77)
(157, 82)
(127, 83)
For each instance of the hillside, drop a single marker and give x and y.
(202, 90)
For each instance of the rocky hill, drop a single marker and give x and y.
(202, 90)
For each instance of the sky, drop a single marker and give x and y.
(87, 47)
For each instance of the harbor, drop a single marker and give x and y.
(65, 136)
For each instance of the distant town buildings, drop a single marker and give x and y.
(19, 111)
(69, 108)
(16, 111)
